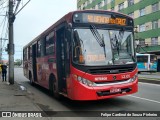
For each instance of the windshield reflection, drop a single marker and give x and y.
(102, 47)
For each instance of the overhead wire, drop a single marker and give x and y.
(3, 21)
(6, 36)
(3, 24)
(2, 7)
(3, 3)
(2, 38)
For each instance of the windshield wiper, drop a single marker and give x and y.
(97, 36)
(99, 39)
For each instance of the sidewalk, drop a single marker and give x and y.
(14, 98)
(149, 77)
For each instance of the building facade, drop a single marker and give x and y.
(146, 14)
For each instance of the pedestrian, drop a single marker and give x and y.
(4, 71)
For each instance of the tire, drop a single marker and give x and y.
(52, 87)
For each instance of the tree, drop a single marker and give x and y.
(18, 62)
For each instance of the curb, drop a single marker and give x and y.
(153, 81)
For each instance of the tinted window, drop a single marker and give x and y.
(38, 48)
(30, 52)
(25, 54)
(153, 58)
(142, 58)
(50, 44)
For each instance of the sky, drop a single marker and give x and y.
(35, 18)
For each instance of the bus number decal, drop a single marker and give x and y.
(125, 76)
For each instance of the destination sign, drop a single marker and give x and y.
(99, 19)
(105, 20)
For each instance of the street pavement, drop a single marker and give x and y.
(14, 97)
(148, 77)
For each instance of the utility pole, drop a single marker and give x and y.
(11, 43)
(11, 19)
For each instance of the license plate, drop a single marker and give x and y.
(115, 90)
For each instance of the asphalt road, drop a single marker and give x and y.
(147, 99)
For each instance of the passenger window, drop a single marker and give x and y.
(25, 54)
(39, 49)
(50, 44)
(30, 52)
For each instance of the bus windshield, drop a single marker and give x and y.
(102, 47)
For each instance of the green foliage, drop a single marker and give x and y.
(18, 62)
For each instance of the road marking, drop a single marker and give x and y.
(149, 84)
(145, 99)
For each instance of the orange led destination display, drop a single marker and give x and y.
(105, 20)
(99, 19)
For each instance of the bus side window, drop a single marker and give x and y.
(38, 48)
(29, 52)
(50, 44)
(25, 54)
(43, 46)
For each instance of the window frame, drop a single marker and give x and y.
(154, 41)
(155, 7)
(130, 2)
(142, 28)
(121, 6)
(142, 12)
(155, 24)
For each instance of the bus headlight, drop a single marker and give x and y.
(86, 82)
(134, 78)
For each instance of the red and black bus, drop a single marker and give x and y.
(86, 55)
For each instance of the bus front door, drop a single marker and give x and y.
(34, 67)
(61, 58)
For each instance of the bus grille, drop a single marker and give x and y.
(111, 70)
